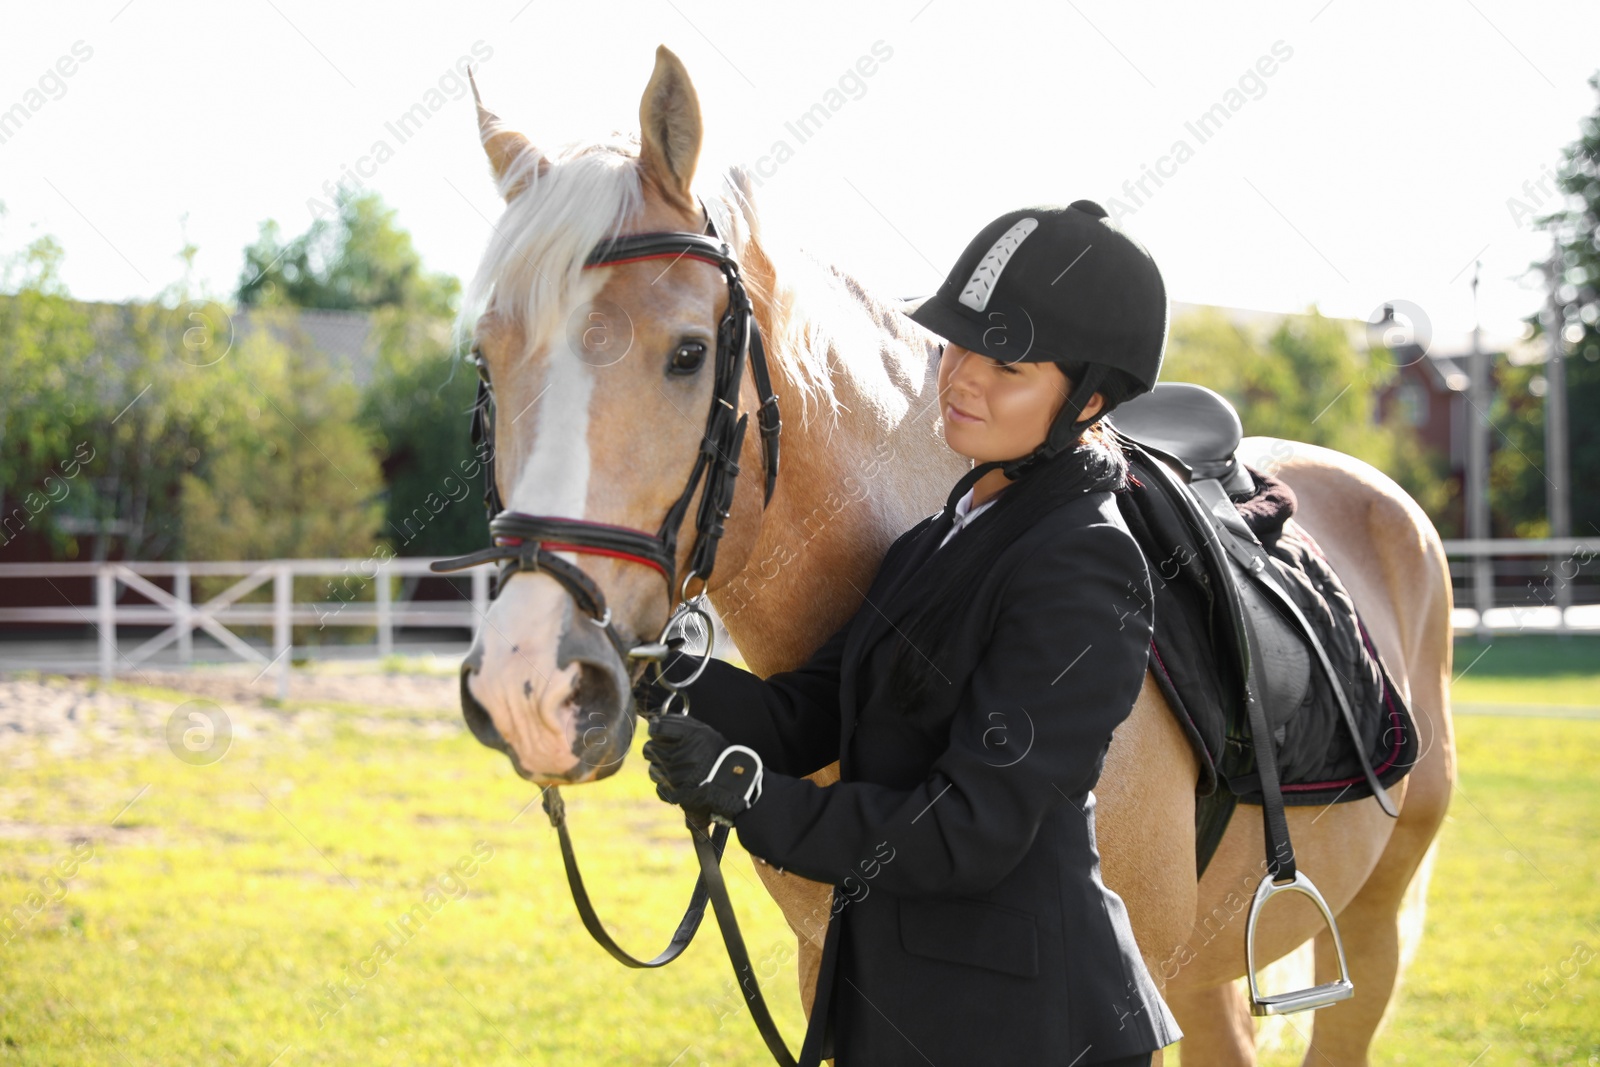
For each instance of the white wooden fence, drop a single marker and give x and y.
(180, 616)
(1545, 604)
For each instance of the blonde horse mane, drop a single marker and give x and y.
(582, 193)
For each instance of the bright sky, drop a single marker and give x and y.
(1369, 150)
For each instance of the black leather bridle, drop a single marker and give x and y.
(523, 542)
(529, 542)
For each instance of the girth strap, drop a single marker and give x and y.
(1280, 852)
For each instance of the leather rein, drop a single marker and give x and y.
(523, 542)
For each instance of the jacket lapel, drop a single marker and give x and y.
(885, 610)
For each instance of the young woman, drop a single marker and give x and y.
(971, 700)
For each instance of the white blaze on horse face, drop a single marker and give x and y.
(529, 696)
(555, 478)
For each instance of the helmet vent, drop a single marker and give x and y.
(980, 287)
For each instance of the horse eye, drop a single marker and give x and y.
(687, 357)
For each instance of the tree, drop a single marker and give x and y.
(1306, 381)
(294, 473)
(1519, 489)
(415, 408)
(98, 419)
(45, 338)
(360, 261)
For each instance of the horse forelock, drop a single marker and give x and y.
(571, 199)
(817, 322)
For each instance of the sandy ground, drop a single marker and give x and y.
(77, 716)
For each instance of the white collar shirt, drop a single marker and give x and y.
(964, 514)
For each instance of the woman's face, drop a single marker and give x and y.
(1000, 411)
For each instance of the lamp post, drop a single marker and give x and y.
(1558, 506)
(1477, 501)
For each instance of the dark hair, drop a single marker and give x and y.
(953, 573)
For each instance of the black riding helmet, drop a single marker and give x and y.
(1057, 284)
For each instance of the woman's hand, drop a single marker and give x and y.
(694, 767)
(649, 695)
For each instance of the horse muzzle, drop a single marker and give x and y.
(554, 696)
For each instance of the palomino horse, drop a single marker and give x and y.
(602, 379)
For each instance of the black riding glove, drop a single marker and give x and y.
(694, 767)
(649, 695)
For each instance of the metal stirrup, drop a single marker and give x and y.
(1301, 999)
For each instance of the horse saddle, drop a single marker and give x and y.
(1249, 617)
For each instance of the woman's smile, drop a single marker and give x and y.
(955, 414)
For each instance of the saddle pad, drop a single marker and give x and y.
(1317, 760)
(1195, 659)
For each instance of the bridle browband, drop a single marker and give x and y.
(523, 542)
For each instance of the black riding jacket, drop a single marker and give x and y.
(970, 922)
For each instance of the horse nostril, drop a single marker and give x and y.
(595, 693)
(605, 725)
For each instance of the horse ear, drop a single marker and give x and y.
(669, 129)
(503, 146)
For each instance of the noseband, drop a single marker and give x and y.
(523, 542)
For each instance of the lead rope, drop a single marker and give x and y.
(709, 853)
(709, 844)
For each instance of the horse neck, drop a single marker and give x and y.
(850, 483)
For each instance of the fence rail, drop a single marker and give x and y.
(1551, 569)
(1549, 607)
(180, 616)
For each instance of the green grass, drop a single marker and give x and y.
(212, 915)
(1528, 670)
(1514, 902)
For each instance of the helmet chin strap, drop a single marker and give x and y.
(1064, 432)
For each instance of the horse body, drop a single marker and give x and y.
(863, 462)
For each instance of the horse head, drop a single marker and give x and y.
(602, 376)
